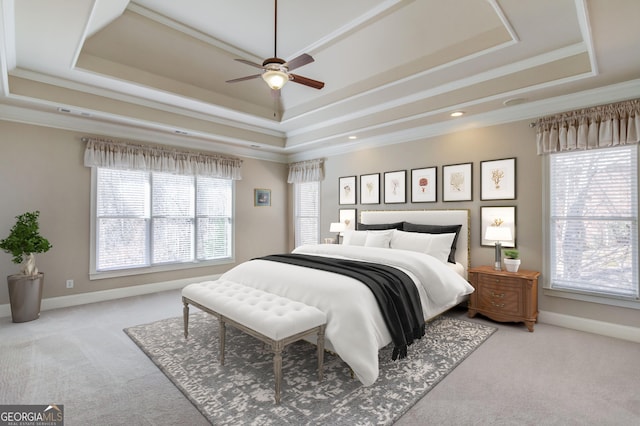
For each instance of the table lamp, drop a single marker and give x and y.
(337, 227)
(498, 234)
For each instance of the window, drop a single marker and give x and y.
(307, 213)
(160, 220)
(593, 227)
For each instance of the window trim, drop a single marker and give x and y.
(97, 275)
(547, 290)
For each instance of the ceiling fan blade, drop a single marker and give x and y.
(253, 64)
(249, 77)
(306, 81)
(301, 60)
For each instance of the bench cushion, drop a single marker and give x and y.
(273, 316)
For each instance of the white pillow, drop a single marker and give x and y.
(440, 246)
(378, 238)
(412, 241)
(436, 245)
(354, 238)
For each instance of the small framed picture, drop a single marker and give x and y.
(348, 217)
(370, 189)
(395, 187)
(457, 182)
(347, 190)
(498, 216)
(262, 197)
(423, 185)
(498, 179)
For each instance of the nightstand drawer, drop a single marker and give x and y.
(494, 280)
(500, 298)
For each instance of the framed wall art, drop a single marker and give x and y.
(424, 185)
(347, 190)
(395, 187)
(498, 216)
(348, 217)
(457, 182)
(498, 179)
(370, 189)
(262, 197)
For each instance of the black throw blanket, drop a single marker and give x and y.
(394, 291)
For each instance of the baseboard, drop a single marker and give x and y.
(618, 331)
(117, 293)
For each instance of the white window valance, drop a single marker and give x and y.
(597, 127)
(306, 171)
(129, 156)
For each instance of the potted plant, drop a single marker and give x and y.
(511, 259)
(25, 289)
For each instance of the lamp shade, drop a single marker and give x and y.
(275, 78)
(498, 233)
(337, 227)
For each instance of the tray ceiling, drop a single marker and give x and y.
(394, 69)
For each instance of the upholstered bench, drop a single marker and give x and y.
(273, 319)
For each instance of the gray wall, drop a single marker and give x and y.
(42, 169)
(491, 143)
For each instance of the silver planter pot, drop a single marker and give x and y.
(25, 295)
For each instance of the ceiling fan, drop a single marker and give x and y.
(276, 71)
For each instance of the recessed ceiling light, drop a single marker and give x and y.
(457, 113)
(353, 137)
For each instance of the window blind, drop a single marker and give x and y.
(173, 208)
(122, 211)
(146, 219)
(307, 213)
(594, 221)
(214, 204)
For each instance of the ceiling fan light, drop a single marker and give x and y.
(275, 78)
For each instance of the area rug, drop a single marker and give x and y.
(242, 391)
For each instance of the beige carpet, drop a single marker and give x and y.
(80, 357)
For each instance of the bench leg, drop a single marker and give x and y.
(277, 367)
(320, 344)
(222, 332)
(185, 315)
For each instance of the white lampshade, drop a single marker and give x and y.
(275, 78)
(498, 233)
(337, 227)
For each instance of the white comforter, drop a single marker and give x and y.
(355, 327)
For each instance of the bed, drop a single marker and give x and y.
(356, 329)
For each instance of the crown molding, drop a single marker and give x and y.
(130, 132)
(528, 111)
(131, 129)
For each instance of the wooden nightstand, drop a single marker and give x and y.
(504, 296)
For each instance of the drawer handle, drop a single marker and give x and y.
(501, 305)
(501, 295)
